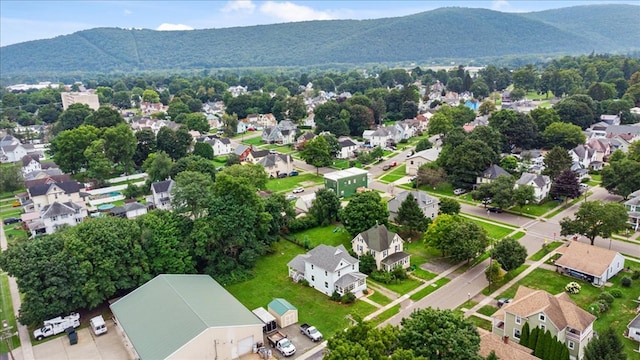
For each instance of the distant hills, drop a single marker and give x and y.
(460, 33)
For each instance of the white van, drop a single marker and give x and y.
(98, 325)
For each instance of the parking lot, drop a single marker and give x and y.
(301, 341)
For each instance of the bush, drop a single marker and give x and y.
(604, 306)
(304, 282)
(399, 273)
(382, 276)
(616, 293)
(348, 298)
(625, 282)
(335, 296)
(302, 223)
(606, 297)
(635, 275)
(365, 291)
(573, 288)
(594, 309)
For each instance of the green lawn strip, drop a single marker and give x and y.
(493, 230)
(11, 194)
(291, 182)
(505, 279)
(271, 281)
(6, 305)
(327, 235)
(596, 178)
(379, 298)
(280, 148)
(429, 289)
(469, 304)
(487, 310)
(536, 209)
(545, 250)
(402, 287)
(423, 274)
(617, 317)
(518, 235)
(446, 189)
(481, 323)
(565, 206)
(253, 141)
(504, 224)
(398, 173)
(11, 212)
(387, 314)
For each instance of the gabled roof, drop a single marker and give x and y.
(429, 154)
(166, 313)
(69, 187)
(560, 309)
(259, 153)
(347, 143)
(281, 306)
(377, 238)
(421, 197)
(635, 322)
(271, 159)
(57, 209)
(27, 159)
(326, 257)
(538, 180)
(494, 171)
(511, 350)
(162, 186)
(585, 258)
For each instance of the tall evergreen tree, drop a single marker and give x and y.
(538, 350)
(548, 343)
(525, 334)
(607, 346)
(411, 217)
(533, 338)
(565, 355)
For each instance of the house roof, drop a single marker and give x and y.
(633, 201)
(585, 258)
(347, 143)
(259, 153)
(47, 180)
(127, 207)
(494, 171)
(281, 306)
(167, 312)
(336, 175)
(162, 186)
(560, 309)
(429, 154)
(325, 257)
(27, 159)
(57, 209)
(511, 350)
(377, 238)
(538, 180)
(69, 187)
(421, 197)
(635, 322)
(271, 159)
(393, 258)
(347, 279)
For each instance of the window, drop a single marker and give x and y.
(516, 333)
(360, 248)
(311, 266)
(338, 273)
(313, 278)
(542, 327)
(326, 284)
(325, 273)
(571, 345)
(63, 216)
(397, 248)
(384, 253)
(411, 162)
(353, 267)
(541, 317)
(518, 320)
(78, 220)
(54, 218)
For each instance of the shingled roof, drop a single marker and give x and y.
(378, 238)
(162, 186)
(69, 187)
(325, 257)
(585, 258)
(57, 209)
(494, 171)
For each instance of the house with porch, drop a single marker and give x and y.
(276, 164)
(348, 148)
(589, 263)
(558, 314)
(254, 156)
(413, 162)
(46, 194)
(221, 146)
(303, 138)
(633, 209)
(428, 204)
(385, 246)
(161, 194)
(30, 164)
(328, 269)
(57, 214)
(541, 184)
(283, 133)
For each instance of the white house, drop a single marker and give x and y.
(329, 269)
(633, 209)
(46, 194)
(130, 210)
(418, 159)
(304, 202)
(541, 184)
(276, 164)
(590, 263)
(634, 328)
(428, 204)
(161, 193)
(221, 146)
(29, 164)
(491, 174)
(348, 149)
(56, 215)
(385, 246)
(284, 133)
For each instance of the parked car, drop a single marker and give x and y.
(393, 164)
(495, 210)
(459, 191)
(293, 173)
(282, 175)
(503, 301)
(290, 197)
(386, 167)
(311, 332)
(298, 190)
(11, 220)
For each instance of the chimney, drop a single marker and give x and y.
(505, 339)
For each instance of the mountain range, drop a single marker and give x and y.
(446, 33)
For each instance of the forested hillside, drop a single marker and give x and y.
(442, 33)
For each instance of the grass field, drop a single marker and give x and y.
(291, 182)
(396, 174)
(402, 287)
(429, 289)
(271, 281)
(537, 209)
(569, 204)
(487, 310)
(494, 231)
(379, 298)
(385, 315)
(6, 305)
(253, 141)
(325, 235)
(446, 189)
(505, 279)
(545, 250)
(619, 315)
(481, 323)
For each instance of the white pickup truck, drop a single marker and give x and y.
(311, 332)
(57, 325)
(279, 341)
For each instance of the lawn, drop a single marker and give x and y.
(481, 323)
(487, 310)
(396, 174)
(619, 315)
(505, 279)
(253, 141)
(402, 287)
(545, 250)
(394, 310)
(219, 161)
(291, 182)
(280, 148)
(537, 209)
(11, 212)
(494, 231)
(559, 209)
(379, 298)
(14, 235)
(327, 235)
(6, 305)
(271, 281)
(446, 189)
(429, 289)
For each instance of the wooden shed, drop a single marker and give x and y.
(285, 313)
(268, 320)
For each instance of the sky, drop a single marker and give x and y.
(24, 20)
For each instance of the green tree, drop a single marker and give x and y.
(197, 122)
(49, 113)
(543, 117)
(163, 240)
(190, 194)
(517, 94)
(158, 166)
(509, 253)
(68, 148)
(377, 153)
(431, 175)
(622, 176)
(411, 217)
(74, 116)
(176, 108)
(203, 149)
(440, 123)
(151, 96)
(523, 195)
(120, 145)
(602, 91)
(456, 237)
(509, 163)
(493, 273)
(146, 145)
(575, 112)
(325, 207)
(430, 333)
(121, 100)
(99, 165)
(518, 129)
(449, 206)
(194, 163)
(363, 341)
(525, 78)
(607, 346)
(555, 161)
(230, 125)
(104, 117)
(364, 210)
(423, 144)
(254, 174)
(468, 160)
(487, 107)
(564, 135)
(524, 335)
(317, 152)
(595, 218)
(11, 178)
(360, 119)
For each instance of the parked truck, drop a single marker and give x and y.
(311, 332)
(57, 325)
(279, 341)
(98, 325)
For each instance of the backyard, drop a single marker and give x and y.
(332, 235)
(291, 182)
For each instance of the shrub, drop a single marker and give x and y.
(594, 309)
(573, 288)
(604, 306)
(365, 291)
(302, 223)
(635, 275)
(399, 273)
(382, 276)
(304, 282)
(335, 296)
(348, 298)
(616, 293)
(606, 297)
(625, 282)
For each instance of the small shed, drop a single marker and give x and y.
(285, 313)
(268, 320)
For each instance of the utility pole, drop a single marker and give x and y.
(6, 334)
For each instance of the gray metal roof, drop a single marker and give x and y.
(421, 197)
(349, 279)
(57, 209)
(395, 257)
(166, 313)
(329, 257)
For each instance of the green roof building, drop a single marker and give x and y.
(186, 317)
(346, 182)
(285, 313)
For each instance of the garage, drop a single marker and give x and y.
(245, 345)
(285, 313)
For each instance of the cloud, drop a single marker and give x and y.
(500, 5)
(127, 12)
(173, 27)
(239, 5)
(288, 11)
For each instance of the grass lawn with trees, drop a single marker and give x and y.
(291, 182)
(402, 287)
(494, 231)
(327, 235)
(271, 281)
(390, 312)
(446, 189)
(622, 310)
(6, 305)
(536, 209)
(545, 250)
